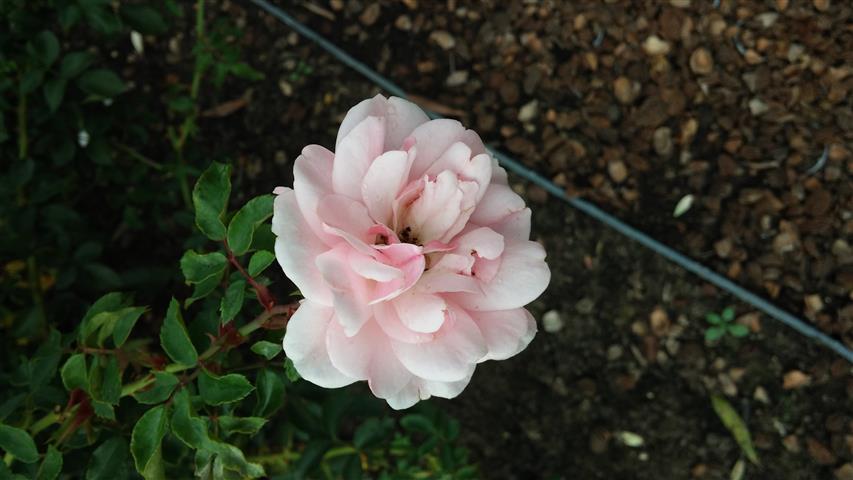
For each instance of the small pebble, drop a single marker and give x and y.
(654, 45)
(795, 379)
(528, 111)
(443, 39)
(757, 107)
(701, 61)
(552, 321)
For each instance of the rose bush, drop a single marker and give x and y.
(412, 253)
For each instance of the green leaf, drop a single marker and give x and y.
(174, 337)
(51, 466)
(104, 410)
(242, 227)
(46, 47)
(736, 426)
(416, 422)
(270, 393)
(738, 330)
(127, 318)
(75, 374)
(198, 267)
(68, 16)
(147, 436)
(728, 314)
(260, 261)
(101, 82)
(713, 319)
(229, 460)
(266, 349)
(19, 443)
(30, 80)
(105, 380)
(372, 432)
(107, 303)
(189, 428)
(144, 19)
(159, 391)
(311, 457)
(44, 363)
(290, 371)
(155, 469)
(74, 64)
(204, 288)
(229, 388)
(54, 90)
(210, 198)
(714, 333)
(109, 461)
(99, 15)
(232, 301)
(246, 425)
(11, 404)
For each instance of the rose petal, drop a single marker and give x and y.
(419, 312)
(402, 116)
(349, 291)
(458, 160)
(522, 276)
(499, 202)
(348, 219)
(390, 323)
(483, 242)
(383, 182)
(507, 332)
(354, 155)
(452, 353)
(312, 180)
(296, 248)
(305, 344)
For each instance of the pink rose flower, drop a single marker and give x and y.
(412, 253)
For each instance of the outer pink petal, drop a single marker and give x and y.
(354, 155)
(515, 227)
(305, 344)
(383, 182)
(499, 202)
(521, 277)
(446, 389)
(296, 248)
(507, 332)
(451, 355)
(409, 395)
(312, 180)
(402, 116)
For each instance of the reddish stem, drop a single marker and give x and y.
(264, 295)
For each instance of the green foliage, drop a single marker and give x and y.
(108, 384)
(18, 443)
(175, 339)
(723, 324)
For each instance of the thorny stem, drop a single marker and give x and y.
(264, 296)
